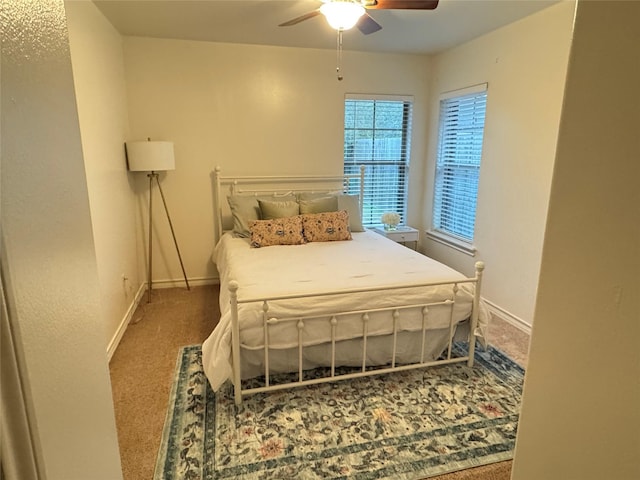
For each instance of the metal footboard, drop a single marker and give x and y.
(334, 320)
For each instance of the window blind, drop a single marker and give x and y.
(461, 133)
(377, 135)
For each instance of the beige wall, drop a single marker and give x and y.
(48, 264)
(251, 110)
(524, 64)
(580, 417)
(256, 109)
(98, 72)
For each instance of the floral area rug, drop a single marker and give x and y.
(405, 425)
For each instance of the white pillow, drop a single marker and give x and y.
(351, 203)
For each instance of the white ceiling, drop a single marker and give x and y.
(256, 22)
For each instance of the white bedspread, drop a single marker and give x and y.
(367, 261)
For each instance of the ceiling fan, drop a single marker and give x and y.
(345, 14)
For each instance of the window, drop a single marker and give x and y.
(462, 115)
(377, 134)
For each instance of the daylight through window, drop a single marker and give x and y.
(377, 134)
(462, 116)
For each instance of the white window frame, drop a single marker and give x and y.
(372, 213)
(446, 130)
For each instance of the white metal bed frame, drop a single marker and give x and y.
(333, 318)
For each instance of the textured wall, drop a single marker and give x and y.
(50, 261)
(580, 417)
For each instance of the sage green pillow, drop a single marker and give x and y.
(278, 209)
(319, 205)
(245, 208)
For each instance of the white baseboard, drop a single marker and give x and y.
(194, 282)
(179, 282)
(508, 317)
(113, 344)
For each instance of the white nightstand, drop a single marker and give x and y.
(401, 235)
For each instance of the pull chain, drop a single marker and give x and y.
(339, 60)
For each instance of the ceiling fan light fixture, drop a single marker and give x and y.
(342, 15)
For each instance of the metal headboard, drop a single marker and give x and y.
(274, 185)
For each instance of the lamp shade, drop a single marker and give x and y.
(150, 156)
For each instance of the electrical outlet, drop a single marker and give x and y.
(125, 285)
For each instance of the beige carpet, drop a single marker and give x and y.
(143, 365)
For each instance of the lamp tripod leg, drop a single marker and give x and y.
(149, 273)
(184, 273)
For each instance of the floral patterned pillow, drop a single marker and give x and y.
(326, 227)
(278, 231)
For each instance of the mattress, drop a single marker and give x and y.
(369, 263)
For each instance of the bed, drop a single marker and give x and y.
(366, 303)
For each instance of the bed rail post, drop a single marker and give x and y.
(216, 183)
(475, 313)
(235, 341)
(361, 190)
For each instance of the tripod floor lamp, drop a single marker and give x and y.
(153, 157)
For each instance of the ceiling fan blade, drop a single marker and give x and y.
(401, 4)
(301, 18)
(368, 25)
